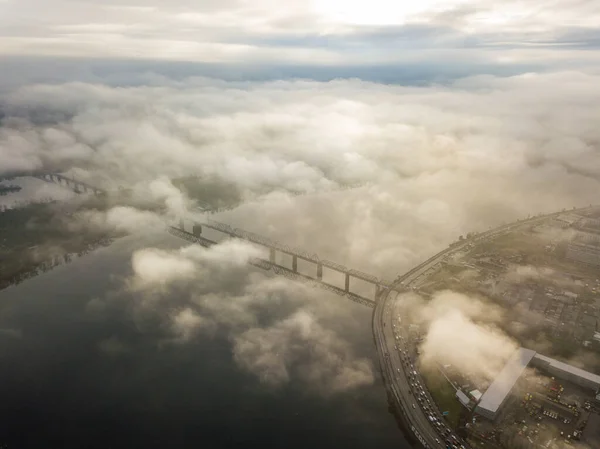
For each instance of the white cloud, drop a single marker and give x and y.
(187, 322)
(156, 267)
(260, 31)
(441, 160)
(300, 346)
(462, 331)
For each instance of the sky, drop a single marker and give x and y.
(453, 116)
(440, 36)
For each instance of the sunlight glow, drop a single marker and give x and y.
(376, 12)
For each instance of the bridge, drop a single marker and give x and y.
(355, 285)
(73, 184)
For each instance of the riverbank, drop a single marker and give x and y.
(36, 238)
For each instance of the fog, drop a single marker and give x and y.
(461, 331)
(435, 162)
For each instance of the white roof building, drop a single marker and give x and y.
(497, 393)
(463, 398)
(568, 372)
(476, 394)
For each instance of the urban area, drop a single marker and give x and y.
(544, 276)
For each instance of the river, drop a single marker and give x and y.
(58, 390)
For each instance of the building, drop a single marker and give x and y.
(463, 398)
(495, 396)
(499, 391)
(567, 372)
(476, 395)
(584, 250)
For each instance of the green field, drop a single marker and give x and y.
(444, 396)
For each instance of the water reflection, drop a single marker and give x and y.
(77, 372)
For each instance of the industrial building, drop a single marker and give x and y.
(499, 391)
(567, 372)
(584, 248)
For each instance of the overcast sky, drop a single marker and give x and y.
(326, 33)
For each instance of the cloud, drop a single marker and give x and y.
(524, 273)
(440, 161)
(153, 266)
(119, 218)
(186, 323)
(436, 162)
(281, 331)
(461, 331)
(323, 32)
(300, 346)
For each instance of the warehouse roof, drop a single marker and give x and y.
(569, 368)
(497, 392)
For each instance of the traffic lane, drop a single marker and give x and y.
(409, 399)
(400, 392)
(400, 380)
(419, 420)
(426, 396)
(421, 432)
(403, 381)
(414, 397)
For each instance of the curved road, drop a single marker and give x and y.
(404, 385)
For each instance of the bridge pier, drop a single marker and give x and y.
(295, 263)
(347, 288)
(320, 271)
(197, 230)
(181, 225)
(379, 290)
(272, 255)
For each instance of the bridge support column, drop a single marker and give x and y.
(272, 255)
(181, 225)
(197, 230)
(295, 263)
(320, 271)
(347, 282)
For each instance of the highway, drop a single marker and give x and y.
(396, 354)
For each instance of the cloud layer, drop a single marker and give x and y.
(316, 32)
(440, 161)
(436, 162)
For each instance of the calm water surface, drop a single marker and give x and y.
(59, 390)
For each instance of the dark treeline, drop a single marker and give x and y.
(35, 238)
(35, 268)
(5, 190)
